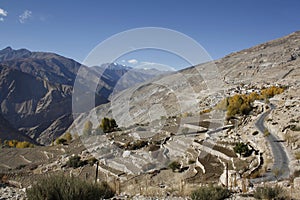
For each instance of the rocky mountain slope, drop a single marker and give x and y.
(164, 112)
(36, 90)
(276, 60)
(10, 133)
(191, 90)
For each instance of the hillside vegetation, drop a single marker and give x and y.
(241, 104)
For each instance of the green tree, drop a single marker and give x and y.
(75, 161)
(61, 141)
(242, 149)
(24, 144)
(113, 124)
(105, 125)
(108, 125)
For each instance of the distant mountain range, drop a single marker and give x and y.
(36, 91)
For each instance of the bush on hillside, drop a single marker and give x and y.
(174, 165)
(59, 187)
(75, 162)
(210, 193)
(68, 136)
(61, 141)
(17, 144)
(108, 125)
(242, 149)
(270, 193)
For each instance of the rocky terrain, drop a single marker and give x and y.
(171, 137)
(272, 62)
(36, 91)
(154, 104)
(283, 121)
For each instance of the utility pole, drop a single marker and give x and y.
(227, 175)
(96, 177)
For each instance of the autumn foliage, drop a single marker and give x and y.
(18, 144)
(241, 104)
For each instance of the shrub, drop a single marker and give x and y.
(108, 125)
(242, 149)
(92, 161)
(174, 165)
(191, 162)
(60, 187)
(271, 91)
(75, 162)
(21, 166)
(270, 193)
(24, 144)
(68, 136)
(61, 141)
(12, 143)
(210, 193)
(17, 144)
(64, 139)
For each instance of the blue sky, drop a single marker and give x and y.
(74, 28)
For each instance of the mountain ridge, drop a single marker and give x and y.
(36, 90)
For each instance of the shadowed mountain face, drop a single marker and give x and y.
(31, 104)
(10, 133)
(36, 92)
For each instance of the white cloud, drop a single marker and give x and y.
(132, 61)
(25, 16)
(158, 66)
(3, 12)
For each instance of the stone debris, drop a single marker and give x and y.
(11, 193)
